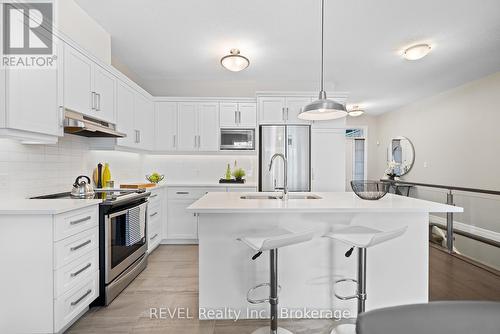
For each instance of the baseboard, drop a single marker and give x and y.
(179, 242)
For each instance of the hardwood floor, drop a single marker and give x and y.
(171, 280)
(451, 278)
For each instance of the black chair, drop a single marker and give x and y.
(453, 317)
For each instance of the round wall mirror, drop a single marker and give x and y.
(401, 156)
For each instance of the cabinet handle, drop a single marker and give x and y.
(80, 245)
(235, 117)
(98, 108)
(153, 196)
(199, 141)
(195, 141)
(239, 117)
(154, 236)
(175, 141)
(61, 116)
(81, 298)
(283, 113)
(286, 111)
(81, 220)
(92, 100)
(153, 214)
(182, 193)
(78, 272)
(137, 136)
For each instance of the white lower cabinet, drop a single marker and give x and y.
(181, 226)
(155, 218)
(181, 223)
(54, 276)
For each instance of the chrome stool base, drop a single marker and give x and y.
(266, 330)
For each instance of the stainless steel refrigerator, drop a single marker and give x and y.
(294, 141)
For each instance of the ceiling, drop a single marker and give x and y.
(173, 48)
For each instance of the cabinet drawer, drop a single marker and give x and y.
(154, 211)
(155, 198)
(73, 302)
(75, 272)
(73, 222)
(75, 246)
(190, 193)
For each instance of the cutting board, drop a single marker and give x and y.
(137, 185)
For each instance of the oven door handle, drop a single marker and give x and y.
(119, 213)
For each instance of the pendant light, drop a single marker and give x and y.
(234, 61)
(322, 108)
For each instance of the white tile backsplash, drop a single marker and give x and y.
(31, 170)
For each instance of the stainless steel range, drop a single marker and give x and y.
(122, 239)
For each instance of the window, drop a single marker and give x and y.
(359, 159)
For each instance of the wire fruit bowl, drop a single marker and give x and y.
(370, 190)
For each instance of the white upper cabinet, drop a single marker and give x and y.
(228, 114)
(78, 95)
(293, 107)
(281, 110)
(198, 126)
(31, 102)
(271, 110)
(104, 87)
(88, 88)
(144, 122)
(236, 114)
(247, 115)
(208, 127)
(188, 126)
(166, 134)
(125, 114)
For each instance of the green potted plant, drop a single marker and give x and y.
(239, 174)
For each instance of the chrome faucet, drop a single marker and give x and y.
(285, 179)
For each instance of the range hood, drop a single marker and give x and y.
(78, 124)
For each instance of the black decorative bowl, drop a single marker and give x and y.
(370, 190)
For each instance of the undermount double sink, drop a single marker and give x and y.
(275, 197)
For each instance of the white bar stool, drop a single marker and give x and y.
(360, 237)
(271, 241)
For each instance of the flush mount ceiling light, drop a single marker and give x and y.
(355, 111)
(234, 61)
(323, 108)
(416, 52)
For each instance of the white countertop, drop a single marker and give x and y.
(340, 202)
(212, 184)
(43, 206)
(206, 184)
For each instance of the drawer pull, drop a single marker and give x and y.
(153, 214)
(182, 193)
(81, 245)
(81, 298)
(78, 272)
(154, 236)
(81, 220)
(153, 196)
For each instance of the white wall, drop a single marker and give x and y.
(32, 170)
(456, 135)
(80, 27)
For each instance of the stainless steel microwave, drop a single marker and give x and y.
(237, 139)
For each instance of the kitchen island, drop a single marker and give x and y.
(397, 271)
